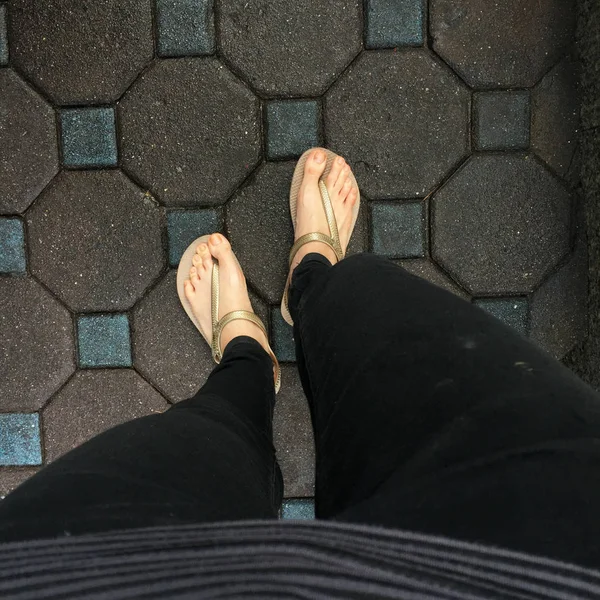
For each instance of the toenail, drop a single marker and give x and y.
(215, 240)
(193, 270)
(340, 160)
(319, 157)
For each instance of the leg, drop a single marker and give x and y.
(431, 415)
(210, 458)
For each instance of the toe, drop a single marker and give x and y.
(343, 178)
(347, 187)
(188, 288)
(352, 197)
(197, 260)
(195, 280)
(336, 170)
(219, 247)
(315, 165)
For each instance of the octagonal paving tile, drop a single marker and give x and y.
(555, 116)
(428, 270)
(37, 349)
(509, 44)
(95, 240)
(290, 47)
(92, 402)
(190, 131)
(11, 478)
(167, 349)
(28, 145)
(293, 436)
(401, 119)
(559, 306)
(81, 51)
(500, 224)
(260, 229)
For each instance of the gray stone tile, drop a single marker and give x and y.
(28, 143)
(189, 149)
(167, 349)
(88, 137)
(185, 27)
(501, 120)
(95, 240)
(92, 402)
(3, 36)
(81, 52)
(11, 478)
(512, 45)
(427, 269)
(290, 47)
(293, 437)
(555, 116)
(392, 23)
(282, 337)
(500, 224)
(20, 440)
(292, 127)
(401, 119)
(398, 229)
(12, 246)
(298, 509)
(36, 345)
(559, 307)
(514, 312)
(184, 226)
(103, 341)
(359, 242)
(260, 228)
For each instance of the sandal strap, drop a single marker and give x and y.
(219, 324)
(333, 230)
(333, 240)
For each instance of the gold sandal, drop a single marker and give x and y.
(185, 264)
(333, 240)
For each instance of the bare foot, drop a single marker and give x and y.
(310, 215)
(233, 294)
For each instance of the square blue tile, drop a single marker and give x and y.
(20, 440)
(502, 120)
(88, 137)
(3, 36)
(104, 341)
(393, 23)
(184, 226)
(514, 312)
(185, 27)
(298, 509)
(12, 246)
(282, 337)
(398, 229)
(292, 127)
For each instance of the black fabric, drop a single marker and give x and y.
(429, 415)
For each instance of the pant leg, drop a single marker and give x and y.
(431, 415)
(209, 458)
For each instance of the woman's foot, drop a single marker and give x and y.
(310, 215)
(233, 293)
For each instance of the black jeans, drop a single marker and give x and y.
(429, 415)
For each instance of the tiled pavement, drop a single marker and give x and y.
(129, 128)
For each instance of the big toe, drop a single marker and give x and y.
(220, 248)
(315, 165)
